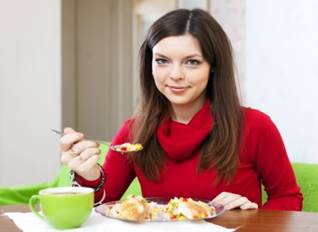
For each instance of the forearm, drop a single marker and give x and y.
(292, 203)
(96, 184)
(276, 171)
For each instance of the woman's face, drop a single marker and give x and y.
(180, 72)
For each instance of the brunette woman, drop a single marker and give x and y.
(198, 140)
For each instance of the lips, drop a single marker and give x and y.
(177, 89)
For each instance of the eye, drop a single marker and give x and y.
(161, 61)
(193, 62)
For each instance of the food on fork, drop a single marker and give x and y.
(137, 208)
(127, 147)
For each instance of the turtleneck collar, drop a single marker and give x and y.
(179, 141)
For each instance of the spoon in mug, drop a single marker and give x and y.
(122, 148)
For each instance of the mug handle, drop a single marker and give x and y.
(33, 201)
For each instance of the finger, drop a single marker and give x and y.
(236, 203)
(227, 198)
(68, 130)
(249, 205)
(68, 140)
(83, 145)
(75, 163)
(86, 154)
(88, 164)
(67, 156)
(220, 196)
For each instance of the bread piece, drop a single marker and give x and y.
(134, 208)
(194, 209)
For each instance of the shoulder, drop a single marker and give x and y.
(256, 115)
(124, 132)
(256, 120)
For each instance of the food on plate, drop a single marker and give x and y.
(190, 209)
(137, 208)
(127, 147)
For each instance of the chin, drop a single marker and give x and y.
(185, 101)
(175, 101)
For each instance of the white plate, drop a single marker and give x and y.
(102, 209)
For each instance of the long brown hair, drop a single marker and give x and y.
(221, 148)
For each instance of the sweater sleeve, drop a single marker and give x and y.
(275, 169)
(118, 171)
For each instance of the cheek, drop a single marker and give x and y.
(204, 82)
(200, 77)
(159, 75)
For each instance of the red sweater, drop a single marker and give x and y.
(263, 159)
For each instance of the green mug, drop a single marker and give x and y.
(63, 207)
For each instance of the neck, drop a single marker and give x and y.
(183, 113)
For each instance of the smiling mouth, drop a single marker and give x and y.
(178, 89)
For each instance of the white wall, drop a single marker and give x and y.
(30, 73)
(231, 15)
(282, 70)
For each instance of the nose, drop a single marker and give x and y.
(176, 73)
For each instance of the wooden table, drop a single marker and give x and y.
(268, 220)
(247, 220)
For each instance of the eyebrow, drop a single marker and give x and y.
(187, 57)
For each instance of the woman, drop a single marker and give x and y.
(198, 141)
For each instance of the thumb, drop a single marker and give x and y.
(68, 130)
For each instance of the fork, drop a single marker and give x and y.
(96, 141)
(116, 148)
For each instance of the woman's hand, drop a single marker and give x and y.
(232, 201)
(80, 155)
